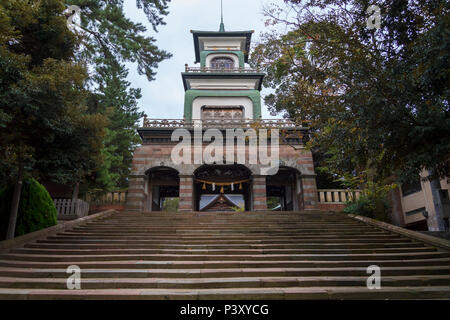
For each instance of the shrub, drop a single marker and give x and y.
(36, 209)
(370, 207)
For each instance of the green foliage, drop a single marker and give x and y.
(373, 202)
(110, 38)
(369, 206)
(273, 202)
(48, 130)
(116, 99)
(238, 209)
(377, 99)
(36, 209)
(171, 204)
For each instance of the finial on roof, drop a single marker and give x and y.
(222, 25)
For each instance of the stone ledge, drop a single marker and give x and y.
(61, 226)
(437, 242)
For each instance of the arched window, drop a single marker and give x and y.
(222, 63)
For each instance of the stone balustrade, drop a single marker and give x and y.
(219, 70)
(224, 123)
(338, 196)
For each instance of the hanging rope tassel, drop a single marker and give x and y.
(204, 186)
(240, 186)
(221, 190)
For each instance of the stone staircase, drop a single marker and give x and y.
(304, 255)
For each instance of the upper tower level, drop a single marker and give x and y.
(222, 87)
(234, 45)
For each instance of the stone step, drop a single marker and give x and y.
(227, 240)
(58, 257)
(225, 255)
(237, 224)
(336, 293)
(140, 264)
(205, 236)
(216, 252)
(113, 248)
(222, 273)
(217, 283)
(157, 244)
(220, 231)
(235, 230)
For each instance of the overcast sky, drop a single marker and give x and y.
(164, 97)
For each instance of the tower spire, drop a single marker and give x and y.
(222, 25)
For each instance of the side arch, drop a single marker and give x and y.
(162, 183)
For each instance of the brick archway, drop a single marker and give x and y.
(233, 182)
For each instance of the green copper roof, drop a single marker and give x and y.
(216, 34)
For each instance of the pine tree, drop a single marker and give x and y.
(46, 129)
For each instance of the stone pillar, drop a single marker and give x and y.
(295, 194)
(309, 192)
(259, 193)
(186, 194)
(136, 193)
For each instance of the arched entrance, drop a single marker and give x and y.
(163, 186)
(222, 188)
(282, 190)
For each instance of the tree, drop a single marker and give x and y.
(119, 101)
(110, 39)
(377, 99)
(46, 129)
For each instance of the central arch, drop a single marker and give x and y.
(222, 188)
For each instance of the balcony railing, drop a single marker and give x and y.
(224, 123)
(219, 70)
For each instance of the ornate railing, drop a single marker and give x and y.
(224, 123)
(338, 196)
(219, 70)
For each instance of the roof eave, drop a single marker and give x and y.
(247, 34)
(186, 75)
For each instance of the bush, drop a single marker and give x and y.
(370, 207)
(36, 209)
